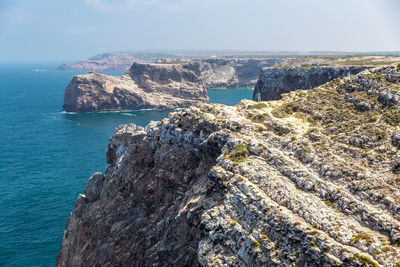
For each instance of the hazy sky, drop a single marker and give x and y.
(68, 30)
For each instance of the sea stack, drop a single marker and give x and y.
(144, 86)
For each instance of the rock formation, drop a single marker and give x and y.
(221, 73)
(112, 61)
(145, 85)
(275, 81)
(308, 180)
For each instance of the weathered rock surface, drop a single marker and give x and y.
(145, 85)
(308, 180)
(218, 73)
(273, 82)
(222, 73)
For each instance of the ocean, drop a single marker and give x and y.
(47, 156)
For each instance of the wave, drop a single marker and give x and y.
(39, 70)
(66, 112)
(123, 112)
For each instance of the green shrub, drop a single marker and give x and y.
(259, 105)
(373, 118)
(256, 244)
(392, 117)
(239, 153)
(285, 110)
(380, 78)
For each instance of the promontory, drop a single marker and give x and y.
(312, 179)
(144, 86)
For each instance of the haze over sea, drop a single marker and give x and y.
(47, 156)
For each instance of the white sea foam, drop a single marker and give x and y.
(123, 112)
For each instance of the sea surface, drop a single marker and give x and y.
(47, 156)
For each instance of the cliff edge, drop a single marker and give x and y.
(312, 179)
(145, 85)
(222, 73)
(275, 81)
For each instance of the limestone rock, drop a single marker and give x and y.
(110, 61)
(145, 85)
(273, 82)
(222, 73)
(396, 140)
(214, 185)
(94, 187)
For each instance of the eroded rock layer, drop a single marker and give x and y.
(275, 81)
(220, 73)
(145, 85)
(309, 180)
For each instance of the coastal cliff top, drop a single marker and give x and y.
(145, 85)
(313, 178)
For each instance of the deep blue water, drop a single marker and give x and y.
(46, 157)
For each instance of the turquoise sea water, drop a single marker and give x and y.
(46, 157)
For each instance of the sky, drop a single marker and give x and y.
(69, 30)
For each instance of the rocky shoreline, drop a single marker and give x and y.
(308, 180)
(145, 85)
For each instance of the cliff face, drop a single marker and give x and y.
(222, 73)
(145, 85)
(218, 72)
(109, 62)
(312, 179)
(112, 61)
(273, 82)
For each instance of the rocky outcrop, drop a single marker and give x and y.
(308, 180)
(275, 81)
(62, 67)
(221, 73)
(111, 61)
(145, 85)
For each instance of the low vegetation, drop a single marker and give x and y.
(239, 153)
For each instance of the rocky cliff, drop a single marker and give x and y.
(221, 73)
(275, 81)
(145, 85)
(112, 61)
(312, 179)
